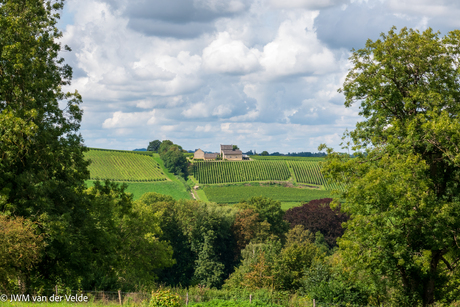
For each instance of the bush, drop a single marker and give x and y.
(164, 298)
(315, 216)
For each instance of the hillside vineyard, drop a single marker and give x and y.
(230, 172)
(123, 166)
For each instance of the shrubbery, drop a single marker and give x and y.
(315, 216)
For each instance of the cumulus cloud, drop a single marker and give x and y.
(262, 74)
(225, 55)
(296, 49)
(134, 119)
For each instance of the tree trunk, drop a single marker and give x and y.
(428, 289)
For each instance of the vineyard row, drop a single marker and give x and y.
(309, 172)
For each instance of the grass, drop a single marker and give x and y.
(233, 194)
(288, 205)
(172, 188)
(61, 304)
(202, 195)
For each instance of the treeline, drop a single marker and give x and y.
(289, 154)
(117, 243)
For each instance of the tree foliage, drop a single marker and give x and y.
(268, 210)
(154, 145)
(403, 196)
(200, 236)
(271, 265)
(174, 158)
(317, 215)
(42, 167)
(20, 249)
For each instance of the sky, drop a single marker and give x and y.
(261, 74)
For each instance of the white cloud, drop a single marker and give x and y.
(134, 119)
(308, 4)
(197, 110)
(296, 49)
(262, 74)
(225, 55)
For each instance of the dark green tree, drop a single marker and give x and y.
(200, 236)
(403, 196)
(174, 158)
(42, 167)
(264, 153)
(154, 145)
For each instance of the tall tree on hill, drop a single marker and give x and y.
(154, 145)
(403, 196)
(42, 167)
(174, 158)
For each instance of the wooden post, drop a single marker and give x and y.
(314, 303)
(186, 300)
(119, 297)
(56, 290)
(250, 298)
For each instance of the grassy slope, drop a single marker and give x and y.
(173, 188)
(290, 197)
(233, 194)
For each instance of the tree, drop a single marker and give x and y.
(235, 147)
(20, 249)
(403, 196)
(317, 215)
(200, 237)
(270, 265)
(154, 145)
(42, 167)
(264, 153)
(268, 210)
(172, 231)
(174, 158)
(248, 227)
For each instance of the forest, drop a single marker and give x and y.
(390, 235)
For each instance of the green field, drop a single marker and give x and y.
(233, 194)
(145, 172)
(227, 172)
(172, 188)
(124, 166)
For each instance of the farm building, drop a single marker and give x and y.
(227, 152)
(199, 154)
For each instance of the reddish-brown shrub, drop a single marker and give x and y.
(316, 215)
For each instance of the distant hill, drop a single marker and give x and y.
(140, 149)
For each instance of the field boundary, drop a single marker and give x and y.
(144, 153)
